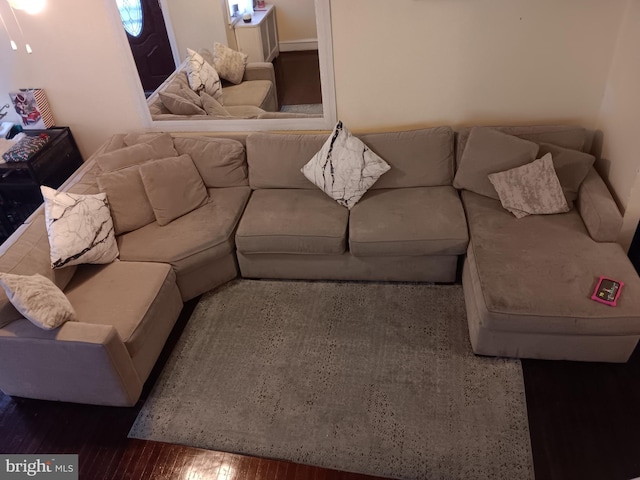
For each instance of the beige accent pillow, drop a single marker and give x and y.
(344, 168)
(202, 76)
(128, 202)
(79, 228)
(221, 162)
(530, 189)
(38, 300)
(140, 147)
(212, 106)
(230, 64)
(190, 95)
(174, 187)
(490, 151)
(571, 166)
(179, 105)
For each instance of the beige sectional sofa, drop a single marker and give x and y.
(527, 281)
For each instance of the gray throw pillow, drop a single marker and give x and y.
(179, 105)
(174, 187)
(490, 151)
(530, 189)
(571, 167)
(128, 202)
(212, 107)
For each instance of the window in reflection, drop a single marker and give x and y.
(131, 15)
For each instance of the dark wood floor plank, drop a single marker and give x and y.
(298, 77)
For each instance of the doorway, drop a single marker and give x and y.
(146, 31)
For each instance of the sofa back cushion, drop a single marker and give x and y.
(221, 162)
(566, 136)
(418, 158)
(275, 159)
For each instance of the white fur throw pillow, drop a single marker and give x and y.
(38, 299)
(531, 189)
(344, 168)
(230, 64)
(202, 76)
(79, 227)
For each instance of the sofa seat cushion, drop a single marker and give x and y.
(537, 274)
(255, 92)
(408, 221)
(205, 233)
(292, 221)
(121, 294)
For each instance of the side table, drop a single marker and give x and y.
(20, 181)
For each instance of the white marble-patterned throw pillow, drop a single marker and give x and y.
(79, 227)
(531, 189)
(344, 168)
(38, 299)
(202, 76)
(230, 64)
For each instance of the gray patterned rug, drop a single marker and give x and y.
(369, 378)
(310, 108)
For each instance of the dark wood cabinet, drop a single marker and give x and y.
(20, 181)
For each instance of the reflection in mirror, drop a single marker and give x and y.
(274, 61)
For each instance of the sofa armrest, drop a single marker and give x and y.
(79, 362)
(598, 209)
(259, 71)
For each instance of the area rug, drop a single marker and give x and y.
(309, 108)
(373, 378)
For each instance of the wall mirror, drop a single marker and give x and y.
(325, 57)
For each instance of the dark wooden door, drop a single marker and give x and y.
(151, 48)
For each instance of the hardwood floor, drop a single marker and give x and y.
(584, 420)
(298, 77)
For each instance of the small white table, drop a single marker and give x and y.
(259, 38)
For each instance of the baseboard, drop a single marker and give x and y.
(297, 45)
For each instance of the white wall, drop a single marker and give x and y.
(197, 24)
(296, 20)
(79, 65)
(620, 122)
(466, 62)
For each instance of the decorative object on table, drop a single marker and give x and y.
(607, 291)
(25, 148)
(32, 106)
(246, 18)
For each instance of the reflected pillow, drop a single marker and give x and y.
(530, 189)
(230, 64)
(212, 106)
(344, 168)
(179, 105)
(202, 76)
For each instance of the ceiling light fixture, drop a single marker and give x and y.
(30, 6)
